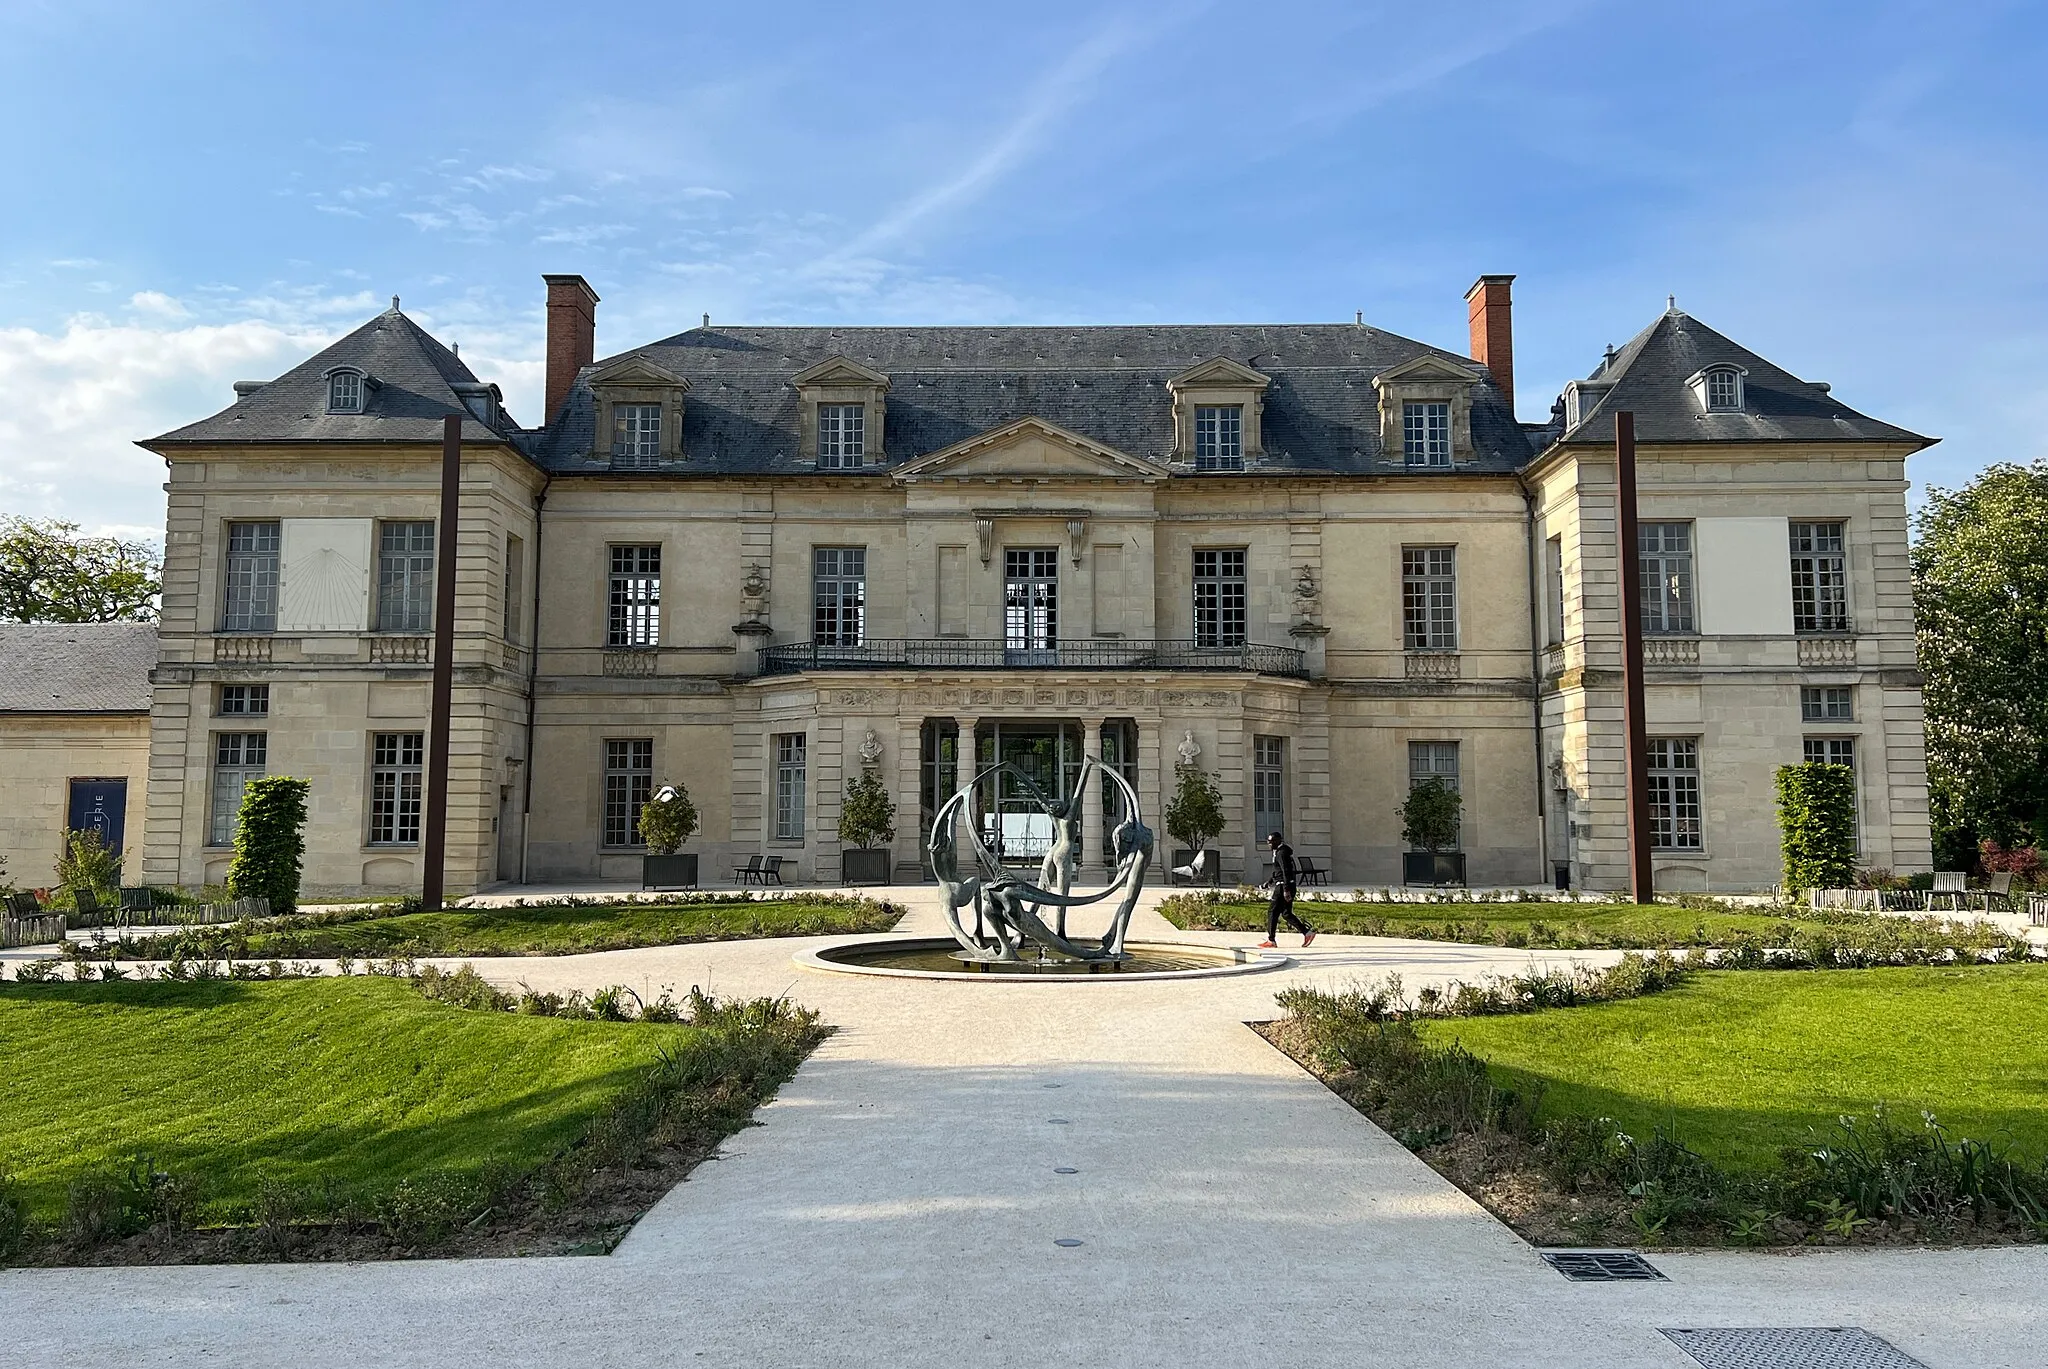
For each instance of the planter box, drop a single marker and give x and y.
(1185, 858)
(1441, 867)
(866, 865)
(678, 871)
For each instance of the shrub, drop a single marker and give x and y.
(88, 862)
(1195, 814)
(2022, 862)
(13, 1216)
(1817, 824)
(668, 819)
(868, 817)
(270, 842)
(1429, 815)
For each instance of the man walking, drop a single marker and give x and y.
(1282, 885)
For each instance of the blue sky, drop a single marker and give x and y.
(208, 192)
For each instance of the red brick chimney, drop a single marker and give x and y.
(572, 336)
(1493, 333)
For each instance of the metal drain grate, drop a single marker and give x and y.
(1789, 1347)
(1600, 1266)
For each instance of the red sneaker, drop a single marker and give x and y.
(1307, 940)
(1267, 945)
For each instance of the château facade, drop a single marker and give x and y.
(1320, 561)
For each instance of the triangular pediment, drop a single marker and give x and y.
(634, 369)
(1427, 367)
(1219, 373)
(839, 371)
(1031, 449)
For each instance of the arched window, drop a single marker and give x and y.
(1723, 389)
(345, 392)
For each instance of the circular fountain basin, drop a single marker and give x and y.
(942, 958)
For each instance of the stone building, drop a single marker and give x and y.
(1319, 561)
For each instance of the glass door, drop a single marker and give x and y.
(1031, 605)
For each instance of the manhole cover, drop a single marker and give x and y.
(1600, 1266)
(1789, 1347)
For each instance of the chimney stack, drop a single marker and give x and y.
(572, 336)
(1493, 333)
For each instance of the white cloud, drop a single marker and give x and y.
(157, 304)
(79, 398)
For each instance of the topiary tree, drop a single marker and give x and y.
(868, 817)
(270, 842)
(1429, 815)
(667, 820)
(1195, 815)
(88, 862)
(1817, 825)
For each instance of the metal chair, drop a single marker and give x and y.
(1998, 888)
(1950, 885)
(91, 912)
(771, 868)
(1307, 872)
(748, 873)
(23, 904)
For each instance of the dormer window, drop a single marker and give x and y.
(1219, 437)
(1718, 389)
(842, 436)
(1426, 432)
(345, 392)
(636, 434)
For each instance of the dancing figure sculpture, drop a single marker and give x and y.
(1007, 908)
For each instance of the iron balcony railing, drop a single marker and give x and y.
(957, 654)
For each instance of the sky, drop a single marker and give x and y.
(209, 192)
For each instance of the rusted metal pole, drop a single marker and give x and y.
(1635, 730)
(435, 837)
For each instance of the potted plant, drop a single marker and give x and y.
(667, 820)
(867, 822)
(1429, 822)
(1194, 816)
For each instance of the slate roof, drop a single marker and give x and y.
(1649, 377)
(415, 391)
(947, 384)
(76, 667)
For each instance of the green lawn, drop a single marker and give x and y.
(360, 1079)
(556, 930)
(1571, 925)
(1741, 1063)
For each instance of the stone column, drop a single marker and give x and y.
(910, 834)
(964, 768)
(1095, 854)
(1151, 784)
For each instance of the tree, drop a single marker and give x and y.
(50, 573)
(270, 842)
(668, 820)
(1980, 597)
(1429, 815)
(1196, 813)
(868, 817)
(88, 862)
(1817, 825)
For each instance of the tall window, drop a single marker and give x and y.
(1553, 579)
(1674, 774)
(395, 760)
(1831, 751)
(1219, 437)
(1426, 433)
(839, 596)
(344, 393)
(1667, 576)
(1820, 578)
(515, 585)
(636, 434)
(1031, 598)
(789, 786)
(238, 757)
(635, 599)
(1827, 704)
(1220, 598)
(1269, 786)
(244, 701)
(1434, 761)
(405, 577)
(1724, 389)
(628, 780)
(842, 436)
(250, 604)
(1429, 598)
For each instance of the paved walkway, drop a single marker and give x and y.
(900, 1205)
